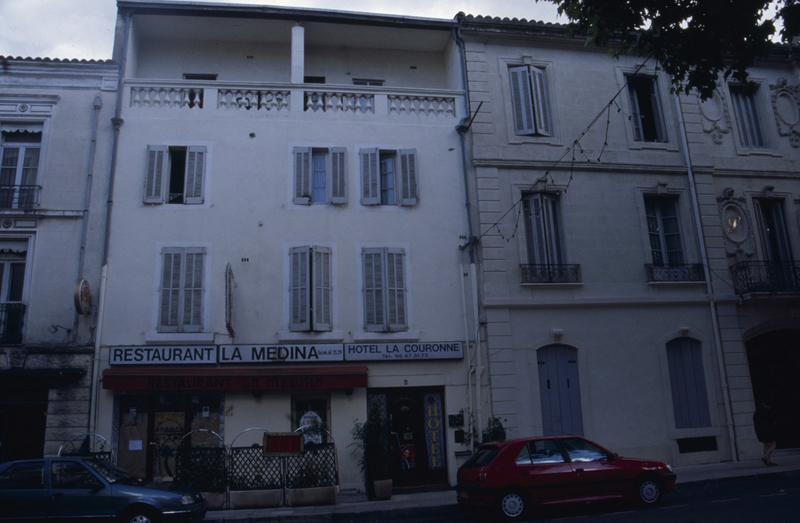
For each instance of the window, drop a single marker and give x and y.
(314, 79)
(310, 289)
(23, 476)
(543, 226)
(175, 175)
(19, 164)
(368, 81)
(12, 281)
(208, 77)
(320, 175)
(530, 101)
(181, 308)
(580, 450)
(663, 230)
(384, 290)
(688, 383)
(745, 110)
(388, 177)
(310, 414)
(540, 452)
(772, 227)
(72, 475)
(647, 118)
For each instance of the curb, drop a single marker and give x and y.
(378, 515)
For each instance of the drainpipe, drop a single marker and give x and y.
(90, 157)
(712, 300)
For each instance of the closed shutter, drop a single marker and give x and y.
(299, 283)
(302, 175)
(321, 290)
(338, 173)
(688, 384)
(193, 291)
(374, 314)
(408, 177)
(541, 108)
(195, 175)
(370, 177)
(156, 173)
(521, 101)
(171, 270)
(396, 290)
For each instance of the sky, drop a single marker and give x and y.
(85, 28)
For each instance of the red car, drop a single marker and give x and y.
(511, 476)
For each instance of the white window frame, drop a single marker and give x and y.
(676, 202)
(157, 175)
(336, 164)
(544, 234)
(668, 115)
(531, 105)
(657, 107)
(398, 301)
(316, 287)
(22, 148)
(758, 112)
(406, 176)
(181, 325)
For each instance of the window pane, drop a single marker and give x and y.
(311, 414)
(318, 176)
(546, 451)
(388, 177)
(16, 282)
(580, 450)
(23, 476)
(71, 475)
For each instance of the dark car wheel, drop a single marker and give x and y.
(512, 505)
(140, 515)
(649, 491)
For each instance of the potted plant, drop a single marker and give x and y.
(371, 441)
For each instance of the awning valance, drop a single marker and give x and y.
(21, 127)
(149, 379)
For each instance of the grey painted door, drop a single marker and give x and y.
(559, 390)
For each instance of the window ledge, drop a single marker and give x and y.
(653, 146)
(379, 337)
(554, 285)
(179, 337)
(311, 337)
(683, 283)
(766, 152)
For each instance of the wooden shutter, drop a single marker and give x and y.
(193, 291)
(521, 101)
(156, 173)
(337, 170)
(171, 271)
(321, 289)
(408, 177)
(374, 290)
(299, 284)
(541, 107)
(396, 290)
(195, 175)
(688, 383)
(302, 175)
(370, 177)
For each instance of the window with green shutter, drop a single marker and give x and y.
(530, 101)
(384, 289)
(389, 177)
(175, 175)
(182, 290)
(320, 175)
(310, 293)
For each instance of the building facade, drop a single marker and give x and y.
(288, 209)
(55, 121)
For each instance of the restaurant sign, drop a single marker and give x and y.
(266, 354)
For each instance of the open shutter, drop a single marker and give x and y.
(300, 281)
(521, 100)
(321, 290)
(156, 173)
(338, 175)
(195, 175)
(302, 175)
(370, 177)
(408, 177)
(541, 108)
(169, 311)
(193, 291)
(374, 290)
(396, 290)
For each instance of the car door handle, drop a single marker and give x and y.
(578, 470)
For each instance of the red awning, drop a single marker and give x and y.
(142, 379)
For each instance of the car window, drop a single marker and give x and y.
(524, 456)
(71, 475)
(483, 457)
(110, 472)
(23, 476)
(545, 451)
(581, 450)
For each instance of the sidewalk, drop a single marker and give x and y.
(444, 501)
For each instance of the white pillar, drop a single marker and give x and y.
(298, 53)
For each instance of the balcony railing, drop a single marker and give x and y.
(766, 276)
(12, 316)
(19, 196)
(551, 273)
(675, 273)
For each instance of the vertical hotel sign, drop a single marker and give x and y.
(434, 431)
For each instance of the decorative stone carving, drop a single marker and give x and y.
(422, 105)
(253, 99)
(786, 105)
(716, 118)
(737, 226)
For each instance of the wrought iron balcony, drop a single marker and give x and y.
(19, 196)
(675, 273)
(12, 316)
(551, 273)
(766, 276)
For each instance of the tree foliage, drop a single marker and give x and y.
(694, 41)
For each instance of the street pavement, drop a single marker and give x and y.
(771, 498)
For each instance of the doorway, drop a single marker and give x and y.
(774, 360)
(559, 389)
(23, 417)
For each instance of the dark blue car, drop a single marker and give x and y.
(74, 489)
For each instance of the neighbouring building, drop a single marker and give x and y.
(627, 276)
(55, 121)
(288, 212)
